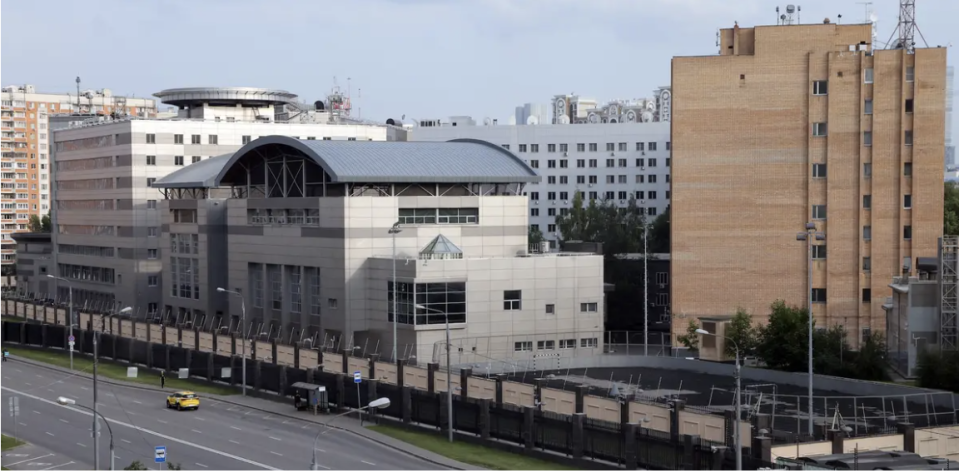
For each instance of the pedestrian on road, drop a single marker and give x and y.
(162, 380)
(5, 353)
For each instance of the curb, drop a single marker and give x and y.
(226, 401)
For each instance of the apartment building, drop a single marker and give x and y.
(106, 220)
(26, 138)
(615, 151)
(795, 124)
(371, 231)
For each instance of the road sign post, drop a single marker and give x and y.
(15, 412)
(159, 455)
(357, 379)
(71, 341)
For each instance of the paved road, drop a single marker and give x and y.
(218, 436)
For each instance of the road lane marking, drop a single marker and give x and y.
(28, 384)
(201, 465)
(125, 441)
(267, 418)
(274, 438)
(58, 466)
(285, 422)
(84, 388)
(197, 431)
(81, 445)
(235, 427)
(321, 450)
(17, 370)
(21, 423)
(64, 421)
(162, 421)
(35, 412)
(48, 433)
(50, 390)
(368, 463)
(234, 441)
(323, 467)
(8, 465)
(277, 454)
(199, 418)
(137, 402)
(169, 438)
(6, 377)
(40, 376)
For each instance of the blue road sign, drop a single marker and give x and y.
(71, 338)
(159, 454)
(357, 377)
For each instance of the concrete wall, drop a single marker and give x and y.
(802, 450)
(940, 442)
(865, 444)
(601, 408)
(555, 400)
(518, 394)
(658, 416)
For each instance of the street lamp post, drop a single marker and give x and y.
(64, 401)
(242, 330)
(449, 371)
(95, 430)
(69, 310)
(738, 442)
(381, 402)
(809, 236)
(393, 231)
(645, 291)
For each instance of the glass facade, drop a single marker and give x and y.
(427, 303)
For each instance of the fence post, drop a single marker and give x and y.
(345, 357)
(149, 354)
(253, 347)
(257, 375)
(196, 339)
(578, 437)
(674, 424)
(23, 332)
(282, 385)
(166, 358)
(371, 395)
(43, 335)
(210, 367)
(273, 351)
(371, 366)
(908, 431)
(581, 391)
(406, 406)
(762, 448)
(836, 438)
(179, 336)
(465, 374)
(214, 341)
(341, 391)
(400, 376)
(188, 360)
(729, 419)
(162, 332)
(296, 355)
(233, 344)
(444, 412)
(629, 444)
(484, 420)
(529, 440)
(232, 369)
(431, 377)
(133, 328)
(499, 389)
(690, 448)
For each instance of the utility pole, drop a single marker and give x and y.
(96, 430)
(645, 290)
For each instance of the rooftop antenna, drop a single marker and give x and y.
(78, 94)
(906, 29)
(867, 7)
(777, 17)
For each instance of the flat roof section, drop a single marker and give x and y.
(246, 96)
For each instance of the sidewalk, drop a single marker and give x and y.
(344, 424)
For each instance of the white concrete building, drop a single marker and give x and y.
(614, 152)
(106, 218)
(313, 234)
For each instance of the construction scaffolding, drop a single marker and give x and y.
(948, 292)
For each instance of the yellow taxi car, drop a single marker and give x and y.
(182, 400)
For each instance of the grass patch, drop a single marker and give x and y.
(468, 453)
(118, 371)
(10, 318)
(10, 442)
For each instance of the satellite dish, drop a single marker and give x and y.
(592, 118)
(564, 120)
(647, 117)
(487, 121)
(512, 120)
(532, 120)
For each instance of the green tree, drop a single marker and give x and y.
(173, 466)
(659, 234)
(46, 224)
(939, 370)
(581, 222)
(619, 229)
(690, 339)
(783, 343)
(951, 209)
(535, 235)
(137, 465)
(873, 357)
(743, 333)
(831, 353)
(34, 224)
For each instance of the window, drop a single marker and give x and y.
(151, 138)
(546, 345)
(866, 263)
(593, 147)
(610, 146)
(523, 346)
(621, 162)
(551, 228)
(593, 179)
(593, 163)
(907, 169)
(504, 146)
(653, 163)
(651, 146)
(567, 344)
(534, 164)
(512, 300)
(256, 273)
(662, 299)
(442, 216)
(296, 291)
(867, 202)
(563, 147)
(610, 163)
(669, 145)
(534, 148)
(907, 138)
(151, 160)
(662, 278)
(534, 212)
(551, 163)
(550, 308)
(653, 196)
(178, 139)
(867, 138)
(819, 170)
(316, 303)
(245, 139)
(276, 287)
(867, 76)
(580, 147)
(819, 295)
(640, 146)
(819, 212)
(622, 146)
(910, 73)
(866, 294)
(178, 160)
(563, 163)
(867, 232)
(151, 204)
(153, 231)
(819, 129)
(909, 105)
(588, 307)
(820, 87)
(819, 252)
(621, 179)
(867, 170)
(153, 281)
(522, 148)
(610, 179)
(580, 163)
(152, 253)
(907, 201)
(867, 107)
(195, 139)
(551, 196)
(551, 148)
(907, 232)
(195, 159)
(588, 343)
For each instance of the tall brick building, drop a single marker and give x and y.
(803, 123)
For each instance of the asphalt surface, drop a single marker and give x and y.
(218, 436)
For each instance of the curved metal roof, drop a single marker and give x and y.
(225, 95)
(457, 161)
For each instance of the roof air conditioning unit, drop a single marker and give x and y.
(642, 168)
(554, 202)
(622, 201)
(612, 153)
(642, 201)
(565, 201)
(565, 153)
(644, 153)
(537, 202)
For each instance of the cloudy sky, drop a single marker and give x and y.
(421, 58)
